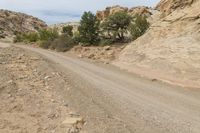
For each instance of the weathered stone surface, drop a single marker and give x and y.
(146, 11)
(170, 49)
(168, 6)
(72, 120)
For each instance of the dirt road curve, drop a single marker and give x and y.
(114, 101)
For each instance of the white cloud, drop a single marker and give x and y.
(66, 10)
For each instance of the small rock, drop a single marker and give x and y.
(91, 56)
(68, 88)
(2, 62)
(153, 80)
(21, 61)
(66, 105)
(71, 121)
(106, 62)
(10, 81)
(53, 131)
(111, 52)
(9, 95)
(73, 114)
(80, 56)
(23, 77)
(46, 84)
(34, 58)
(46, 77)
(52, 100)
(19, 89)
(106, 47)
(44, 128)
(19, 58)
(53, 73)
(53, 116)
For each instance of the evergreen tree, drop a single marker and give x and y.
(89, 29)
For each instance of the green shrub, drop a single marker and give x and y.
(104, 42)
(48, 34)
(46, 37)
(62, 43)
(76, 37)
(31, 37)
(19, 37)
(26, 37)
(45, 44)
(68, 30)
(139, 26)
(116, 25)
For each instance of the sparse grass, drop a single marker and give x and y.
(26, 37)
(48, 34)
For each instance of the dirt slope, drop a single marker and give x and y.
(170, 50)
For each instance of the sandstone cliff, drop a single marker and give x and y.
(170, 50)
(142, 10)
(168, 6)
(12, 22)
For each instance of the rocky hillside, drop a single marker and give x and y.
(170, 50)
(141, 10)
(12, 22)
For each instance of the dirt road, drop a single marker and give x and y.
(115, 101)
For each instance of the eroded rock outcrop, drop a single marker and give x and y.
(168, 6)
(101, 15)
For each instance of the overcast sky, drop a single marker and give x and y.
(57, 11)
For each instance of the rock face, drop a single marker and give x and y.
(12, 22)
(101, 15)
(170, 50)
(168, 6)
